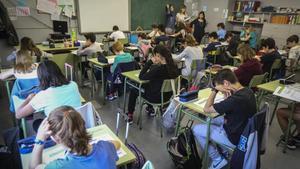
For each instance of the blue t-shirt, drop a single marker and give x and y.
(221, 33)
(53, 97)
(103, 156)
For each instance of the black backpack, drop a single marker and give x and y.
(183, 150)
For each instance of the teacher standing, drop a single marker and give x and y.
(198, 26)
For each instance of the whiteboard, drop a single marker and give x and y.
(102, 15)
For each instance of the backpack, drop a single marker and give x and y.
(169, 117)
(183, 150)
(140, 158)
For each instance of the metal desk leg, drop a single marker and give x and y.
(102, 86)
(276, 105)
(23, 124)
(93, 81)
(140, 108)
(178, 120)
(124, 100)
(287, 132)
(205, 158)
(259, 98)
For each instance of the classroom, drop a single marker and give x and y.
(149, 84)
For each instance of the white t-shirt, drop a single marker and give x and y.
(153, 34)
(117, 35)
(93, 48)
(294, 54)
(54, 97)
(11, 72)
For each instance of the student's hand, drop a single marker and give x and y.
(43, 132)
(167, 5)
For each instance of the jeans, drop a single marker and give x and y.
(217, 134)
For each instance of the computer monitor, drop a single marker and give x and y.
(60, 26)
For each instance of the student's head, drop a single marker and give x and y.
(213, 36)
(68, 128)
(26, 44)
(224, 79)
(246, 52)
(161, 28)
(228, 36)
(24, 62)
(50, 75)
(201, 15)
(183, 9)
(221, 26)
(171, 7)
(118, 47)
(115, 28)
(292, 41)
(163, 56)
(189, 40)
(268, 44)
(142, 36)
(154, 27)
(90, 38)
(248, 28)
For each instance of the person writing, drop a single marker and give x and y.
(66, 127)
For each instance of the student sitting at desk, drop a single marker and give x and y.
(28, 45)
(163, 38)
(67, 128)
(270, 54)
(89, 47)
(221, 31)
(191, 52)
(212, 46)
(248, 35)
(121, 57)
(25, 72)
(232, 43)
(116, 34)
(293, 52)
(239, 105)
(160, 67)
(283, 115)
(154, 32)
(56, 91)
(249, 65)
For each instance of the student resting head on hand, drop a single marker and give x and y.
(66, 127)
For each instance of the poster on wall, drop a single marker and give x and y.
(12, 13)
(47, 6)
(22, 11)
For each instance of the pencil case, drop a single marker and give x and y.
(26, 145)
(188, 96)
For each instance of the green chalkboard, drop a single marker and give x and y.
(146, 12)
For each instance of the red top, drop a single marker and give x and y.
(247, 70)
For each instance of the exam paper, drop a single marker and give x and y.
(201, 102)
(291, 92)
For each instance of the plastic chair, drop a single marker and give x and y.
(169, 85)
(275, 66)
(69, 68)
(148, 165)
(257, 80)
(90, 115)
(197, 65)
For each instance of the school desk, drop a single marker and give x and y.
(101, 132)
(59, 48)
(194, 111)
(132, 79)
(98, 65)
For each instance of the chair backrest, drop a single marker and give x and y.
(69, 68)
(275, 66)
(258, 79)
(124, 67)
(89, 114)
(170, 85)
(124, 41)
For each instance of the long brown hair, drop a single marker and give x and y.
(164, 52)
(67, 124)
(24, 62)
(246, 52)
(28, 44)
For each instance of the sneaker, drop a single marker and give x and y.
(297, 139)
(111, 97)
(218, 164)
(116, 95)
(291, 144)
(150, 111)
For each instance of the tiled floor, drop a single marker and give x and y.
(154, 147)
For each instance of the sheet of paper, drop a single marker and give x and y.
(66, 2)
(22, 11)
(56, 13)
(201, 102)
(111, 60)
(68, 11)
(291, 92)
(74, 52)
(46, 6)
(137, 75)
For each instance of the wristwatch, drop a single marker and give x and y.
(39, 142)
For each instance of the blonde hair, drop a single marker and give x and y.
(118, 46)
(246, 52)
(67, 124)
(190, 40)
(24, 61)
